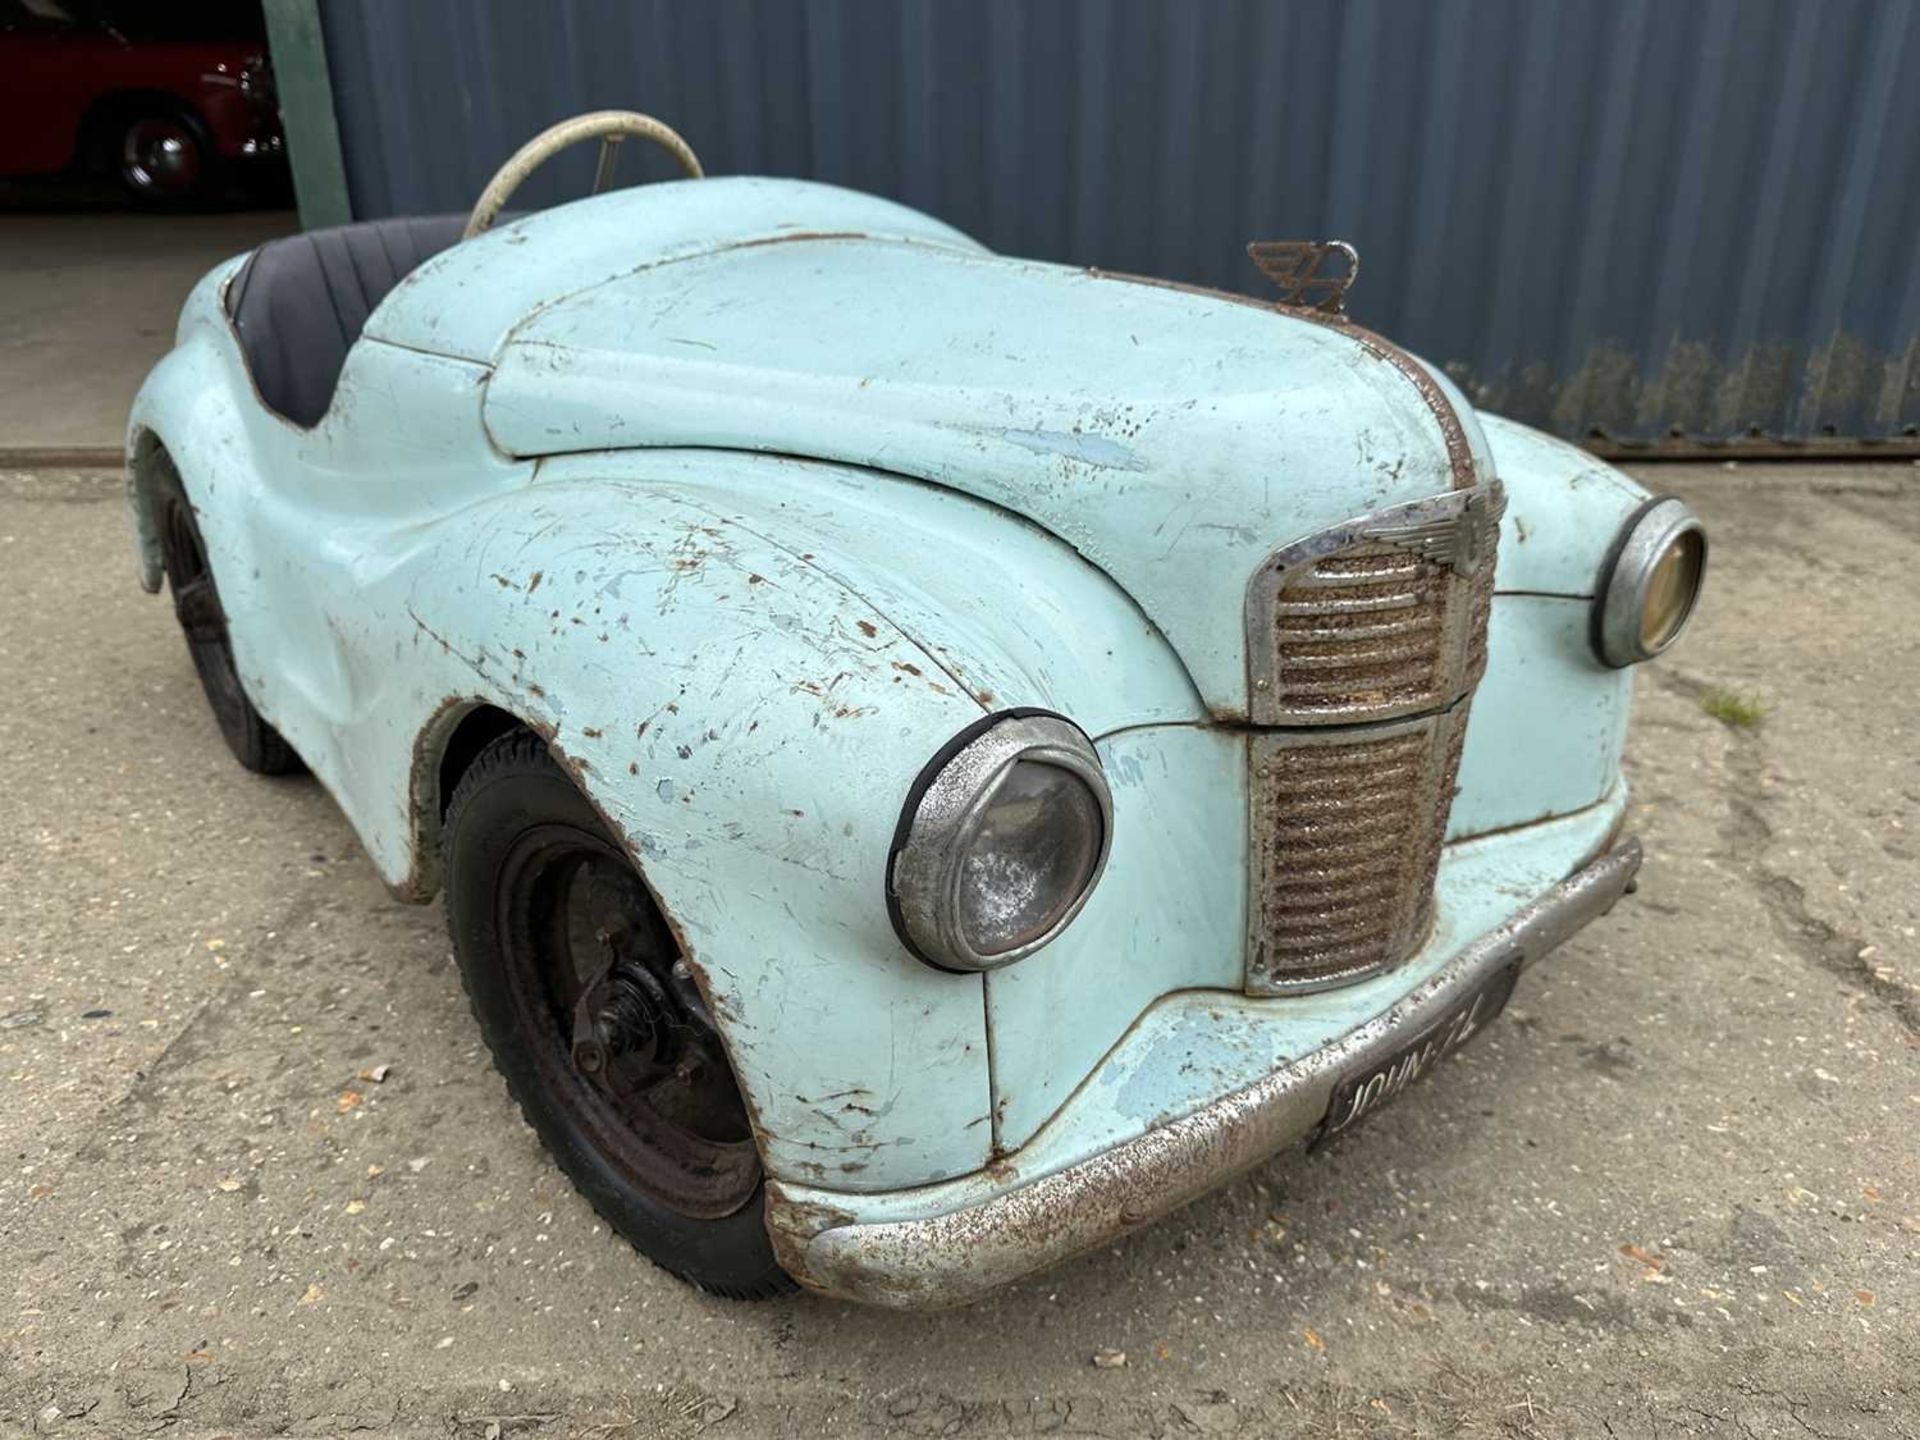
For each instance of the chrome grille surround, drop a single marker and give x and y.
(1365, 642)
(1380, 616)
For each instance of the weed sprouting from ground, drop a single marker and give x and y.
(1733, 709)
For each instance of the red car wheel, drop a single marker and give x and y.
(164, 159)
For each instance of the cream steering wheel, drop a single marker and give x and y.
(610, 127)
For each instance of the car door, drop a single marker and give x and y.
(49, 62)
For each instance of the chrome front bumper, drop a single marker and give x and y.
(953, 1258)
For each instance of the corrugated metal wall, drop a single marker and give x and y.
(1636, 217)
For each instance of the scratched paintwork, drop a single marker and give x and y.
(736, 712)
(746, 585)
(1169, 915)
(1548, 721)
(1075, 643)
(1168, 436)
(1194, 1045)
(1559, 499)
(464, 302)
(941, 1257)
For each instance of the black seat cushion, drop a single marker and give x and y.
(298, 304)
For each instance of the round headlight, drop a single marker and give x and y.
(1650, 584)
(1001, 842)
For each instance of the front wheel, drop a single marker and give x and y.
(597, 1025)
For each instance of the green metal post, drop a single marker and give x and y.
(299, 52)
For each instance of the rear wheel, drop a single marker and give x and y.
(597, 1024)
(196, 605)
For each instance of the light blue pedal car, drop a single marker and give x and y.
(932, 760)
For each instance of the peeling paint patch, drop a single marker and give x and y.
(1095, 450)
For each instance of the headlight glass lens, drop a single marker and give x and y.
(1651, 583)
(1670, 591)
(1001, 842)
(1033, 853)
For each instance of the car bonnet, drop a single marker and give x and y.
(1174, 438)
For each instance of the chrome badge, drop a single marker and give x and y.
(1460, 540)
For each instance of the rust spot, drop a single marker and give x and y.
(633, 767)
(800, 237)
(640, 730)
(423, 787)
(904, 665)
(868, 629)
(533, 582)
(756, 579)
(504, 583)
(572, 764)
(533, 689)
(685, 752)
(590, 733)
(985, 697)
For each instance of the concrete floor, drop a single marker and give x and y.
(1676, 1191)
(88, 302)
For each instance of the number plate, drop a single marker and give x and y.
(1362, 1092)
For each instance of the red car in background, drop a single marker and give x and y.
(167, 97)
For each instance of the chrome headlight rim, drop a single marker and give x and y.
(1648, 534)
(942, 812)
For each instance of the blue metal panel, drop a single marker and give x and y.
(1173, 440)
(1609, 216)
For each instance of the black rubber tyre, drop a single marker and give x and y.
(161, 155)
(196, 605)
(522, 845)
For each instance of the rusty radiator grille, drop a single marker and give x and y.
(1364, 644)
(1347, 829)
(1361, 630)
(1379, 617)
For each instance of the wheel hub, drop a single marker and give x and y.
(625, 1016)
(630, 1047)
(159, 156)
